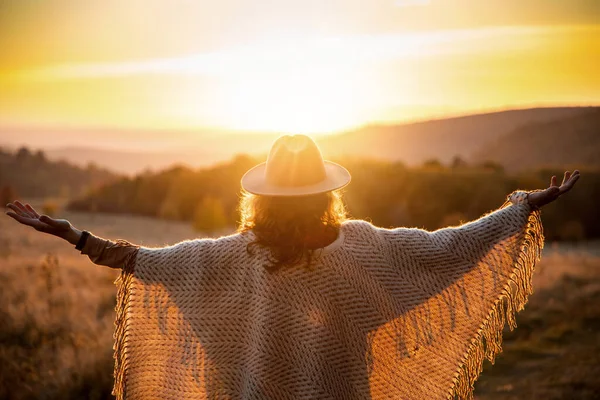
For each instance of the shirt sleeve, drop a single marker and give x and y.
(114, 254)
(519, 197)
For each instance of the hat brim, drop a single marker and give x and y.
(336, 177)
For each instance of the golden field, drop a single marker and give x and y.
(56, 315)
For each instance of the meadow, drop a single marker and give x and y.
(56, 315)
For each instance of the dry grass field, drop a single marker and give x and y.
(56, 316)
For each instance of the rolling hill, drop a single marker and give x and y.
(441, 139)
(203, 151)
(567, 142)
(412, 143)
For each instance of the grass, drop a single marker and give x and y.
(57, 308)
(56, 315)
(555, 351)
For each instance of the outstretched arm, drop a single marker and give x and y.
(495, 227)
(101, 251)
(474, 278)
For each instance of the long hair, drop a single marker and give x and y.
(291, 227)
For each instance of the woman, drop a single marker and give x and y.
(304, 304)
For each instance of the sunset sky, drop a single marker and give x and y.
(292, 66)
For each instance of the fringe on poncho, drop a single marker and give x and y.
(384, 314)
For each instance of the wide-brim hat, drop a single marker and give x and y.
(295, 167)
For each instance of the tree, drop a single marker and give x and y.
(7, 194)
(458, 162)
(40, 157)
(23, 154)
(492, 166)
(209, 215)
(432, 164)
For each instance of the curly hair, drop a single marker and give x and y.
(291, 227)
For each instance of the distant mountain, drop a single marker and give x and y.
(411, 143)
(32, 174)
(441, 139)
(131, 162)
(567, 142)
(132, 151)
(203, 151)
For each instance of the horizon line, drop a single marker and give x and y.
(374, 123)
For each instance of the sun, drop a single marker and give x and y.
(297, 88)
(311, 100)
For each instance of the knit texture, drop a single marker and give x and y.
(384, 314)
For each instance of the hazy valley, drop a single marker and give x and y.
(473, 138)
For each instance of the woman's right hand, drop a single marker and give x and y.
(27, 215)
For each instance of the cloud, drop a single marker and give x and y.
(325, 54)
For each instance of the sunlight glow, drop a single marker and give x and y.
(311, 100)
(314, 84)
(291, 54)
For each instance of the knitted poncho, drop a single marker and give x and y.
(383, 314)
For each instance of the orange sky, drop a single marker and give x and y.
(290, 66)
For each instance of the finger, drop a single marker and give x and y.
(32, 222)
(15, 216)
(32, 211)
(574, 175)
(566, 177)
(569, 185)
(553, 180)
(23, 208)
(574, 178)
(23, 220)
(17, 210)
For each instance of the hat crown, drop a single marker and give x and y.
(294, 160)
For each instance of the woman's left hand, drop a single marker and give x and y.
(543, 197)
(27, 215)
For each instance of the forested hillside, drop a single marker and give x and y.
(389, 194)
(30, 174)
(178, 193)
(440, 139)
(571, 141)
